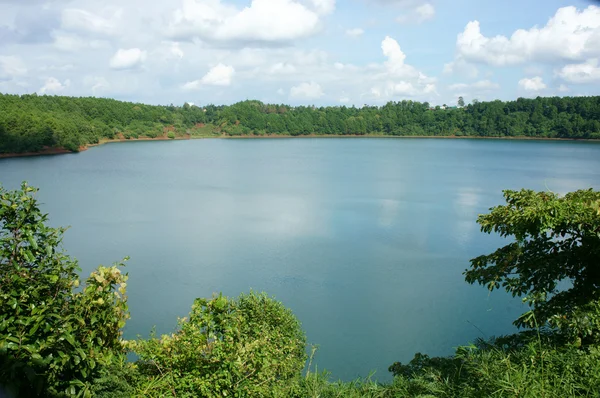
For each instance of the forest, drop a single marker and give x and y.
(32, 123)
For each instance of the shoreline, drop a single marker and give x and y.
(63, 151)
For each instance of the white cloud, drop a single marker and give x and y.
(404, 88)
(85, 21)
(462, 68)
(53, 86)
(391, 49)
(127, 59)
(587, 72)
(532, 84)
(399, 78)
(356, 32)
(563, 88)
(418, 14)
(96, 83)
(179, 41)
(263, 21)
(570, 34)
(11, 66)
(425, 12)
(310, 90)
(219, 75)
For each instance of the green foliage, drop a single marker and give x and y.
(116, 380)
(552, 262)
(171, 135)
(491, 369)
(52, 338)
(252, 346)
(32, 122)
(57, 340)
(204, 130)
(319, 385)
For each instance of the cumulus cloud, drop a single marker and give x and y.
(425, 12)
(391, 49)
(356, 32)
(404, 88)
(305, 90)
(587, 72)
(96, 83)
(571, 34)
(418, 14)
(219, 75)
(255, 46)
(127, 59)
(462, 68)
(262, 22)
(54, 86)
(399, 78)
(532, 84)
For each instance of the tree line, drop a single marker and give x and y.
(30, 123)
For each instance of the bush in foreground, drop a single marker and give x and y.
(53, 339)
(250, 346)
(56, 340)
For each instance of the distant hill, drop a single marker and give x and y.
(32, 123)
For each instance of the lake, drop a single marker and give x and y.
(365, 239)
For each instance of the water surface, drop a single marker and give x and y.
(364, 239)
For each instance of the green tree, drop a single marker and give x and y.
(552, 261)
(30, 123)
(53, 339)
(461, 102)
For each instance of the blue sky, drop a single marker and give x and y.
(322, 52)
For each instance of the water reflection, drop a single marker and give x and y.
(364, 239)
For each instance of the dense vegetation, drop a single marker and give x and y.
(57, 340)
(29, 123)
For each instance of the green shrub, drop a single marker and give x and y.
(53, 340)
(252, 346)
(171, 135)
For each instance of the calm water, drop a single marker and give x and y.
(364, 239)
